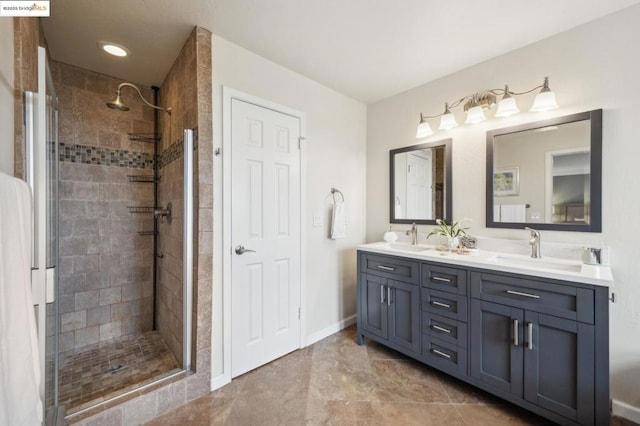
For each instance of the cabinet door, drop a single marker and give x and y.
(404, 315)
(559, 366)
(496, 345)
(373, 303)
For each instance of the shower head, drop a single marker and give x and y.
(118, 105)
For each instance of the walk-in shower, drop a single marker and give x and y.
(121, 316)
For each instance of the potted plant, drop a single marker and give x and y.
(453, 232)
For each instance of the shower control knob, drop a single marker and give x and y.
(241, 250)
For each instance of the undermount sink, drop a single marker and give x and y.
(556, 265)
(408, 247)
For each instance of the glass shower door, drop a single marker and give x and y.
(41, 169)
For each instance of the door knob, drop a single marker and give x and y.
(241, 250)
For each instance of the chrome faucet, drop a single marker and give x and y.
(414, 234)
(534, 242)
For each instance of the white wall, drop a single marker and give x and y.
(336, 157)
(6, 95)
(593, 66)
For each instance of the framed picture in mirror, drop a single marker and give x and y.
(506, 182)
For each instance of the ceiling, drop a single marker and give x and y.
(366, 49)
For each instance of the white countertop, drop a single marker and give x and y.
(554, 268)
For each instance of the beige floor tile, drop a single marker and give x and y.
(207, 410)
(407, 381)
(408, 414)
(265, 411)
(336, 382)
(339, 413)
(498, 415)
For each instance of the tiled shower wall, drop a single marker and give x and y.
(156, 401)
(105, 265)
(179, 91)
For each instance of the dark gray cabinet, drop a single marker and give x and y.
(389, 309)
(444, 317)
(538, 343)
(518, 347)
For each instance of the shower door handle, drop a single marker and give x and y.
(241, 250)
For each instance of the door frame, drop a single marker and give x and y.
(548, 176)
(229, 94)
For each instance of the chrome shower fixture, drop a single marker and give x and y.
(118, 105)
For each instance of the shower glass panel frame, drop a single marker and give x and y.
(41, 173)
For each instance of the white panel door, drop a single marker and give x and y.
(418, 187)
(265, 221)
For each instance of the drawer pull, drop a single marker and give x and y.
(442, 329)
(440, 304)
(386, 268)
(515, 332)
(441, 354)
(444, 280)
(519, 293)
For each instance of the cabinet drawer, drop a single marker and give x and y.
(444, 278)
(445, 329)
(559, 300)
(391, 267)
(444, 355)
(445, 304)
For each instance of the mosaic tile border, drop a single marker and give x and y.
(87, 154)
(171, 154)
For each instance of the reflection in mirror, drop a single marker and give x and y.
(547, 174)
(420, 187)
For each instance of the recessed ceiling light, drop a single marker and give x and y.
(113, 48)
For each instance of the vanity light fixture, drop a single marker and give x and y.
(475, 104)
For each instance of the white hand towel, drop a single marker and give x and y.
(339, 221)
(515, 213)
(496, 212)
(20, 402)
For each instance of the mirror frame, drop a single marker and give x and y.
(447, 182)
(595, 224)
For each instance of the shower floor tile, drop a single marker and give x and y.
(97, 373)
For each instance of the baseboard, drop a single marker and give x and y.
(328, 331)
(219, 381)
(624, 410)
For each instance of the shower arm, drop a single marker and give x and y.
(121, 85)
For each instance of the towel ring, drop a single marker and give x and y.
(334, 191)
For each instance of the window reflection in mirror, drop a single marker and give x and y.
(420, 176)
(546, 174)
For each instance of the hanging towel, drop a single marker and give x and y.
(20, 402)
(338, 221)
(513, 213)
(496, 212)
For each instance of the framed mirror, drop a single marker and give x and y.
(546, 174)
(420, 183)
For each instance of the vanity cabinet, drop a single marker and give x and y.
(537, 343)
(389, 302)
(540, 343)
